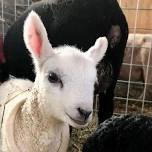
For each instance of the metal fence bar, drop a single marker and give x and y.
(146, 29)
(144, 92)
(140, 9)
(136, 16)
(132, 99)
(120, 3)
(136, 65)
(28, 3)
(7, 14)
(15, 10)
(2, 3)
(134, 82)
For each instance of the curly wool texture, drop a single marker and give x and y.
(23, 128)
(10, 101)
(122, 134)
(35, 130)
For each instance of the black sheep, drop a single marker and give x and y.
(79, 23)
(122, 134)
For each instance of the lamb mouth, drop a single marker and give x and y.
(79, 122)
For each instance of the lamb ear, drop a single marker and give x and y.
(35, 38)
(99, 49)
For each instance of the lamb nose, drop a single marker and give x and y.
(84, 113)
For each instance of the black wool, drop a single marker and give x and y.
(122, 134)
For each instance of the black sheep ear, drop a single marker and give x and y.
(114, 35)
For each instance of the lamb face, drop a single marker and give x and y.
(65, 76)
(66, 83)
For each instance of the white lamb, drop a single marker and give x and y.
(36, 116)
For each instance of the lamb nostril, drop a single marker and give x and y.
(84, 113)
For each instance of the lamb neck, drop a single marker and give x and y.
(33, 132)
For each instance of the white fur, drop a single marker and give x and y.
(41, 120)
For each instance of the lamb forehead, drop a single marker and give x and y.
(69, 56)
(70, 59)
(67, 51)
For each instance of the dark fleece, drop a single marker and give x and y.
(122, 134)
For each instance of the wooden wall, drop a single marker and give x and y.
(144, 19)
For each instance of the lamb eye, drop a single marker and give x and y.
(53, 78)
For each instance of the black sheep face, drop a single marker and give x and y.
(114, 36)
